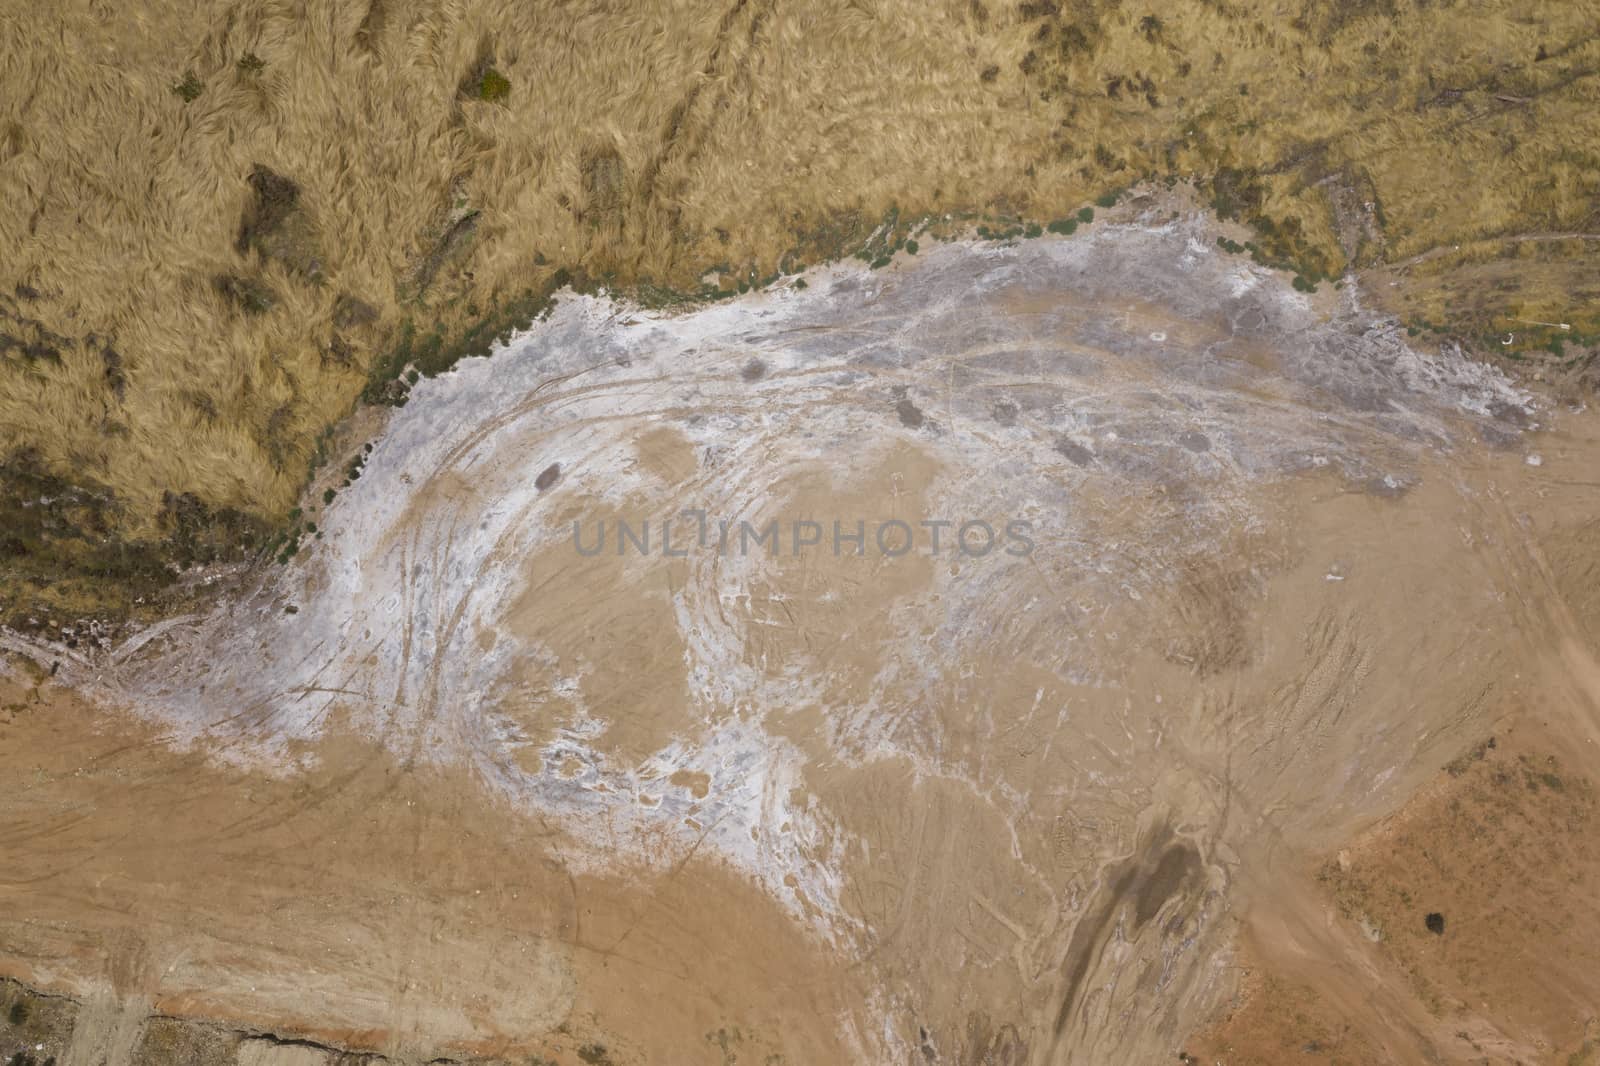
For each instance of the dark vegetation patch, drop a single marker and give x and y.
(275, 225)
(62, 559)
(370, 30)
(247, 293)
(27, 342)
(1280, 243)
(493, 87)
(1462, 763)
(25, 338)
(189, 87)
(352, 312)
(34, 1028)
(483, 81)
(605, 186)
(454, 243)
(415, 354)
(273, 198)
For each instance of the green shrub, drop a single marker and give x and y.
(1086, 215)
(493, 86)
(1064, 226)
(188, 89)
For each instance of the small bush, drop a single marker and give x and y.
(1107, 199)
(250, 63)
(911, 247)
(1063, 226)
(493, 86)
(327, 496)
(1086, 215)
(189, 88)
(1032, 230)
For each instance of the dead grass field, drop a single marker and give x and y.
(217, 219)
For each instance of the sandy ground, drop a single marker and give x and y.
(454, 783)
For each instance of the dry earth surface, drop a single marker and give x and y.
(1293, 649)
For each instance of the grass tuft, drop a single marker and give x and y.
(493, 87)
(188, 88)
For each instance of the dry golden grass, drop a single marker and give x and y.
(650, 140)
